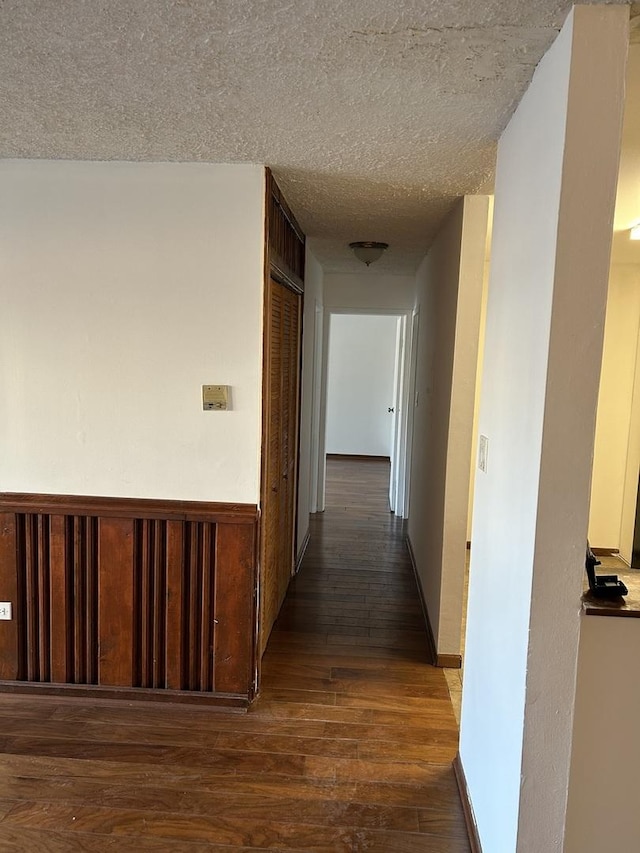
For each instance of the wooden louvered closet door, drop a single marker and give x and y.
(280, 447)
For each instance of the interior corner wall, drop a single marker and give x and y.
(449, 293)
(549, 268)
(313, 298)
(613, 423)
(125, 288)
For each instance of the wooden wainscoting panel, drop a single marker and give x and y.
(9, 642)
(236, 569)
(176, 659)
(130, 601)
(82, 543)
(71, 611)
(116, 553)
(61, 619)
(41, 595)
(50, 576)
(176, 570)
(32, 548)
(78, 603)
(199, 623)
(150, 590)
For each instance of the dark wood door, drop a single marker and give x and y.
(282, 357)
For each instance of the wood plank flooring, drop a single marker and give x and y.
(349, 747)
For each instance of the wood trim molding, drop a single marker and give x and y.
(107, 507)
(280, 443)
(356, 457)
(433, 656)
(225, 702)
(302, 550)
(443, 661)
(284, 263)
(469, 817)
(449, 661)
(283, 273)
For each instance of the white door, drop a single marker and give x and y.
(361, 384)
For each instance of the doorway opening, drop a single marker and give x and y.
(365, 387)
(614, 519)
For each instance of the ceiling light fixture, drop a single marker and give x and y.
(367, 251)
(634, 234)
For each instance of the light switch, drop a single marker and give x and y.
(5, 610)
(215, 398)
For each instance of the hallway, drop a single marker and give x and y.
(348, 654)
(349, 747)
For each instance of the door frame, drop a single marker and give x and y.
(316, 380)
(405, 382)
(279, 281)
(284, 262)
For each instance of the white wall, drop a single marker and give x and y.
(602, 812)
(449, 293)
(369, 291)
(549, 268)
(630, 488)
(360, 384)
(125, 287)
(313, 281)
(614, 407)
(476, 409)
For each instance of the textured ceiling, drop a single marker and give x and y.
(374, 115)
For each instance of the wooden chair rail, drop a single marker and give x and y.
(231, 513)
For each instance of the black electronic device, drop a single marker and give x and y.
(602, 586)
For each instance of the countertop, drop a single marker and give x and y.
(629, 605)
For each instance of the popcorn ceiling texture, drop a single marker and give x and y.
(374, 115)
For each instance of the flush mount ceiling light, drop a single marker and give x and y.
(368, 252)
(634, 234)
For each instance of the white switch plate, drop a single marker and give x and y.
(5, 610)
(483, 453)
(215, 398)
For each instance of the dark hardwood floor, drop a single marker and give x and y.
(349, 747)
